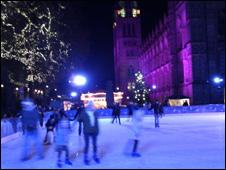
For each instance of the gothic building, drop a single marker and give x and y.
(181, 56)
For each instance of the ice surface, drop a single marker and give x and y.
(183, 141)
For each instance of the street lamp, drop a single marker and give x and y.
(73, 94)
(218, 81)
(78, 81)
(154, 88)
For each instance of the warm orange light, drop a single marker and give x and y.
(99, 99)
(138, 11)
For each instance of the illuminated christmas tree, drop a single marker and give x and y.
(140, 93)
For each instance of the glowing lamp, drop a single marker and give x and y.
(73, 94)
(79, 80)
(154, 87)
(217, 80)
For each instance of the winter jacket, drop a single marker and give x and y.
(130, 108)
(30, 118)
(50, 125)
(157, 108)
(90, 122)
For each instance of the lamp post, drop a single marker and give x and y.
(218, 81)
(154, 87)
(79, 81)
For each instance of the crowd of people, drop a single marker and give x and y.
(58, 127)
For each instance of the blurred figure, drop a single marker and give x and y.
(30, 119)
(116, 112)
(135, 106)
(61, 140)
(40, 111)
(79, 112)
(50, 125)
(168, 103)
(13, 120)
(89, 117)
(158, 111)
(136, 129)
(130, 111)
(185, 103)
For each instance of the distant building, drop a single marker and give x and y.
(182, 56)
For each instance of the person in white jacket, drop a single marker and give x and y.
(136, 129)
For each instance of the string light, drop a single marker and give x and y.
(34, 43)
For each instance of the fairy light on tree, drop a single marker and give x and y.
(29, 36)
(140, 93)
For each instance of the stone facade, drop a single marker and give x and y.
(182, 55)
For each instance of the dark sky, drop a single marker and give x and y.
(98, 18)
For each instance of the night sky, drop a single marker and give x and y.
(98, 19)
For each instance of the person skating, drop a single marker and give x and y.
(89, 117)
(61, 140)
(116, 112)
(130, 111)
(79, 111)
(50, 125)
(158, 111)
(136, 129)
(30, 120)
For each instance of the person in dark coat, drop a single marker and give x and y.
(50, 125)
(185, 103)
(40, 111)
(30, 119)
(62, 112)
(158, 111)
(79, 111)
(116, 112)
(130, 111)
(89, 117)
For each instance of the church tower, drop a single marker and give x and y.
(127, 40)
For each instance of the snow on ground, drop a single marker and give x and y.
(183, 141)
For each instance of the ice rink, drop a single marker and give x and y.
(183, 141)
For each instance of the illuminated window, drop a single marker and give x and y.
(123, 13)
(129, 86)
(119, 12)
(134, 13)
(138, 11)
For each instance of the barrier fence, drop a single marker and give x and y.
(12, 127)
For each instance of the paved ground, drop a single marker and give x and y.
(183, 141)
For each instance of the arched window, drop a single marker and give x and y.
(131, 72)
(124, 29)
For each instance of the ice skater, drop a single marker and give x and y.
(79, 111)
(50, 125)
(61, 140)
(116, 112)
(90, 129)
(130, 111)
(158, 112)
(30, 119)
(136, 129)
